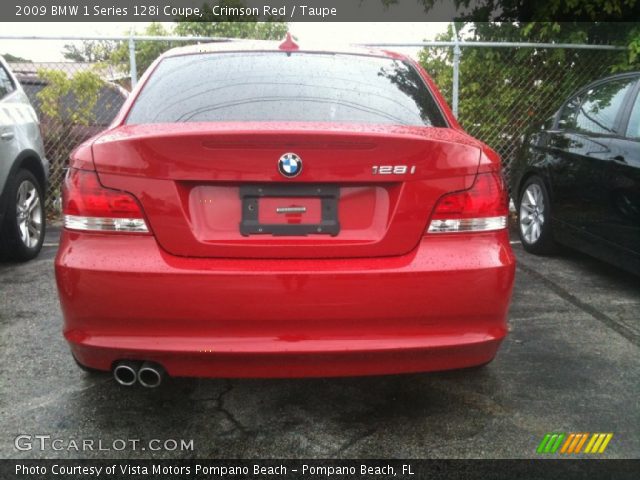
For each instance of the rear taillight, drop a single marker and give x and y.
(87, 205)
(481, 208)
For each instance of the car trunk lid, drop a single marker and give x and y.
(208, 188)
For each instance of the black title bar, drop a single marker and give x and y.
(219, 10)
(301, 11)
(319, 469)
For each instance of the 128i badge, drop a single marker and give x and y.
(393, 169)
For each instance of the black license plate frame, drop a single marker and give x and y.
(328, 195)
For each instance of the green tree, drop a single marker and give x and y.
(69, 100)
(503, 91)
(543, 10)
(13, 58)
(588, 21)
(92, 51)
(146, 51)
(253, 30)
(66, 103)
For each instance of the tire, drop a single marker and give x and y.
(24, 222)
(534, 218)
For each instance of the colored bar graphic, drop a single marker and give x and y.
(550, 443)
(567, 443)
(598, 443)
(558, 442)
(572, 443)
(543, 443)
(596, 446)
(594, 437)
(581, 443)
(605, 442)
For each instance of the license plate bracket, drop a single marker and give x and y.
(251, 194)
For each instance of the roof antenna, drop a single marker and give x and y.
(289, 44)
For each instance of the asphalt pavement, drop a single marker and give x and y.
(570, 364)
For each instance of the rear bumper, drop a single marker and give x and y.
(442, 306)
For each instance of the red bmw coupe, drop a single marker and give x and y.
(265, 210)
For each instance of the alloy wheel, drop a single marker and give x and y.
(29, 214)
(532, 213)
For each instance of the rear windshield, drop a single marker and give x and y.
(279, 86)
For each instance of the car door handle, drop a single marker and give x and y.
(6, 136)
(619, 159)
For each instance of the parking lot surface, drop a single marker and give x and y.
(570, 364)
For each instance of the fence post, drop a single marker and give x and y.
(456, 72)
(132, 62)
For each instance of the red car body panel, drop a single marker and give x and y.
(199, 298)
(430, 309)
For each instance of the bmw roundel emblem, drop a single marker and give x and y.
(290, 165)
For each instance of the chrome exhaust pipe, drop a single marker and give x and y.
(150, 375)
(126, 372)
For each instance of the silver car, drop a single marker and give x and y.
(23, 172)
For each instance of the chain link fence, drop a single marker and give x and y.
(74, 101)
(498, 90)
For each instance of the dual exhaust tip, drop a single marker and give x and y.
(147, 374)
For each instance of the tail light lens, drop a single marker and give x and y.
(87, 205)
(482, 208)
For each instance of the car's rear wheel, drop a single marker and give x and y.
(24, 223)
(534, 219)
